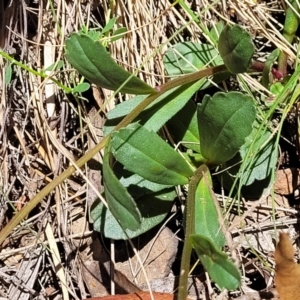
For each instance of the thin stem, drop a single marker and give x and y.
(32, 71)
(291, 25)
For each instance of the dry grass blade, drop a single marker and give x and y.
(57, 261)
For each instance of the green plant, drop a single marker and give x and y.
(212, 133)
(146, 169)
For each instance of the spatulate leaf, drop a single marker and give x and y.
(206, 215)
(120, 203)
(92, 60)
(220, 269)
(153, 208)
(143, 152)
(225, 120)
(188, 57)
(159, 112)
(236, 48)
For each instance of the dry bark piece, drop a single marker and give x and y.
(91, 275)
(287, 278)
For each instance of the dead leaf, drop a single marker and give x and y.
(96, 272)
(287, 278)
(158, 254)
(286, 181)
(137, 296)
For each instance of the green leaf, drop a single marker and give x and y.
(264, 154)
(93, 34)
(267, 76)
(209, 237)
(184, 126)
(216, 30)
(137, 186)
(168, 105)
(159, 112)
(153, 207)
(194, 159)
(8, 73)
(110, 24)
(206, 215)
(276, 88)
(92, 61)
(225, 120)
(115, 116)
(255, 173)
(236, 48)
(81, 87)
(118, 34)
(55, 66)
(119, 201)
(220, 269)
(143, 152)
(188, 57)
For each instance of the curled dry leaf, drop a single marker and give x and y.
(287, 278)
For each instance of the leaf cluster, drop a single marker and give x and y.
(141, 170)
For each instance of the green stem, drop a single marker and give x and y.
(291, 25)
(40, 74)
(189, 229)
(189, 78)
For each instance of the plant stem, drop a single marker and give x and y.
(291, 25)
(189, 229)
(32, 71)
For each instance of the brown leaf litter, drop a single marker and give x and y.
(287, 278)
